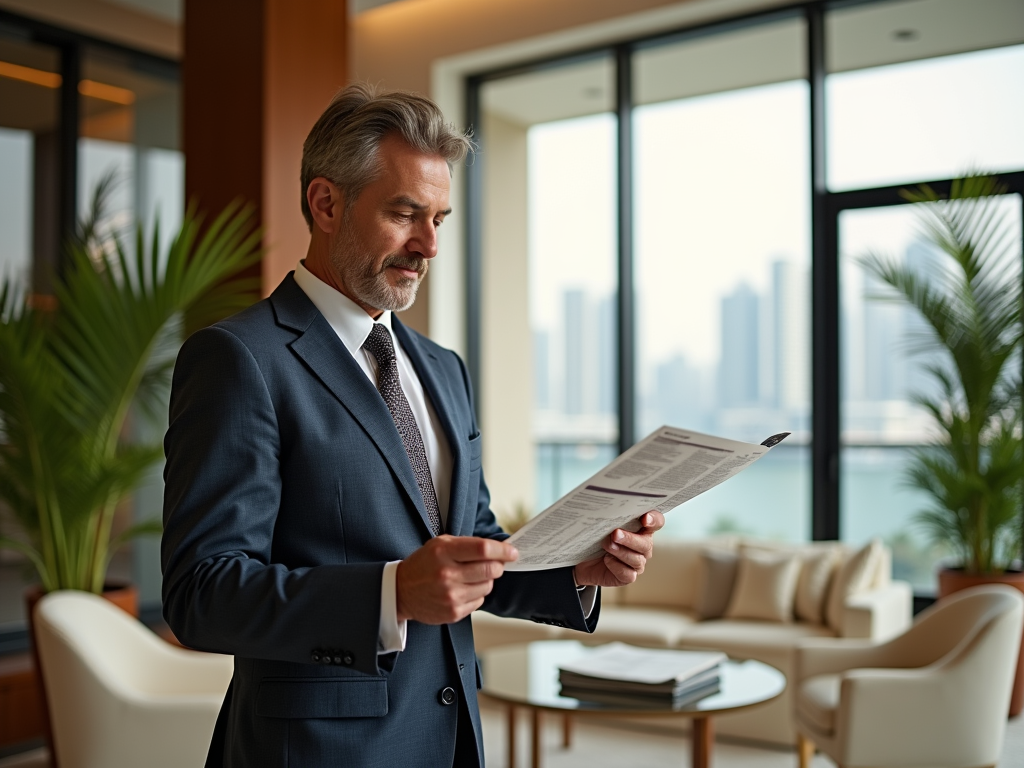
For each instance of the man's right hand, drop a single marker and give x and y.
(448, 578)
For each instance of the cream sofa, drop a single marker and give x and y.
(659, 610)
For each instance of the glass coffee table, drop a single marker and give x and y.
(526, 676)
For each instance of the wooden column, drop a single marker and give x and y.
(256, 75)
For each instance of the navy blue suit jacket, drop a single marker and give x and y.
(287, 490)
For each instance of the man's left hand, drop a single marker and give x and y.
(626, 555)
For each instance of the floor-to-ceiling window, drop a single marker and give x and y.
(699, 226)
(722, 261)
(74, 110)
(909, 99)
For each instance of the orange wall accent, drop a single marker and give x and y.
(256, 76)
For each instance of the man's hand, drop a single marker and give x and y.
(626, 555)
(448, 578)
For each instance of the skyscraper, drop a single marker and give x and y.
(738, 370)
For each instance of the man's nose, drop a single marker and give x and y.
(424, 240)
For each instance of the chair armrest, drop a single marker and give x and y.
(828, 656)
(879, 614)
(910, 717)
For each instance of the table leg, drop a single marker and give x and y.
(703, 738)
(536, 739)
(511, 715)
(566, 731)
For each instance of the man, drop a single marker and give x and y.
(326, 518)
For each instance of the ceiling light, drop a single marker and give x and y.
(89, 88)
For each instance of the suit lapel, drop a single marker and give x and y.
(319, 347)
(442, 398)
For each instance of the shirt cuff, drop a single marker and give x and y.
(391, 632)
(588, 596)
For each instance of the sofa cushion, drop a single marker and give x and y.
(816, 572)
(765, 587)
(857, 574)
(670, 577)
(715, 580)
(744, 639)
(668, 580)
(638, 626)
(817, 701)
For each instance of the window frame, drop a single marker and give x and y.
(826, 208)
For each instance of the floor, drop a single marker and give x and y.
(597, 744)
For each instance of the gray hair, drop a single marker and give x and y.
(343, 145)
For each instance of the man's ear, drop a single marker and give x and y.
(325, 204)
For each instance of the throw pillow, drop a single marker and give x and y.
(854, 576)
(765, 587)
(714, 583)
(812, 587)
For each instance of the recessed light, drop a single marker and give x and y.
(906, 35)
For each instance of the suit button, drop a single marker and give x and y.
(325, 658)
(336, 660)
(447, 696)
(348, 659)
(315, 656)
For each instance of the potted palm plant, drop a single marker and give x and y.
(971, 303)
(73, 373)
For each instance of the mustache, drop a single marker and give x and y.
(418, 265)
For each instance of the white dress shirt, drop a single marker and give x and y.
(353, 326)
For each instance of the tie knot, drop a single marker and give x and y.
(379, 344)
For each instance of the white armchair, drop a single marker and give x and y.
(119, 696)
(935, 696)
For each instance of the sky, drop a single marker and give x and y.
(722, 184)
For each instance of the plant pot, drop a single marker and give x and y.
(124, 596)
(955, 579)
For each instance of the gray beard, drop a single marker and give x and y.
(371, 287)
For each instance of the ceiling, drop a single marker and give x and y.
(858, 37)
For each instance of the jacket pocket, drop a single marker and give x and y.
(476, 447)
(328, 697)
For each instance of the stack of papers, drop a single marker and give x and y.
(623, 675)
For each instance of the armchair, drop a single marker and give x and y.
(936, 696)
(119, 696)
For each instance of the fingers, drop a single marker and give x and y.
(623, 573)
(635, 560)
(468, 549)
(642, 543)
(652, 521)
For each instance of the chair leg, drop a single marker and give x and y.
(805, 750)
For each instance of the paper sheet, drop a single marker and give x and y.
(667, 468)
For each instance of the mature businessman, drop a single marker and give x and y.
(326, 517)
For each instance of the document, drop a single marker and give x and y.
(656, 667)
(667, 468)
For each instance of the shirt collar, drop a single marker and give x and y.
(347, 318)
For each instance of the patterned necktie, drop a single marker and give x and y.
(378, 343)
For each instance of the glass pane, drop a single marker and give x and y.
(29, 105)
(924, 90)
(723, 264)
(548, 389)
(130, 129)
(884, 356)
(29, 101)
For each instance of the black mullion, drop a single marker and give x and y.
(70, 104)
(824, 304)
(626, 368)
(474, 241)
(879, 197)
